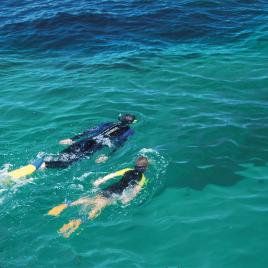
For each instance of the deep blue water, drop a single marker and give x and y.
(93, 27)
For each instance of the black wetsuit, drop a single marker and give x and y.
(129, 179)
(109, 134)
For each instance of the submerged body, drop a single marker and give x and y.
(112, 135)
(130, 184)
(131, 177)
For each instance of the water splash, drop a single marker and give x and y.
(9, 186)
(157, 164)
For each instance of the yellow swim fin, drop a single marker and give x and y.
(57, 210)
(26, 170)
(21, 172)
(67, 229)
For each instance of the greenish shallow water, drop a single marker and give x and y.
(202, 117)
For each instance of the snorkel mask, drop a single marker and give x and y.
(127, 119)
(141, 169)
(141, 164)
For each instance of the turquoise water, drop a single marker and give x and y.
(195, 74)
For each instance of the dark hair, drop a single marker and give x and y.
(142, 161)
(127, 118)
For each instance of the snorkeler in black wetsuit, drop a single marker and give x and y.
(131, 177)
(92, 140)
(125, 190)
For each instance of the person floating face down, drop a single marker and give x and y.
(92, 140)
(126, 189)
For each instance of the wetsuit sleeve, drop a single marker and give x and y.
(135, 191)
(143, 181)
(124, 136)
(121, 140)
(122, 171)
(92, 131)
(114, 174)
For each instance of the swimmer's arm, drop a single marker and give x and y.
(93, 130)
(129, 196)
(116, 145)
(100, 181)
(87, 132)
(120, 141)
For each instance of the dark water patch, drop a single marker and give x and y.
(202, 4)
(215, 175)
(178, 23)
(219, 164)
(62, 30)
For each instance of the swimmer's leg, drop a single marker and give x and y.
(73, 154)
(58, 163)
(99, 203)
(66, 157)
(58, 209)
(65, 160)
(83, 201)
(67, 229)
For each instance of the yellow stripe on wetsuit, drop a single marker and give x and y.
(142, 182)
(121, 172)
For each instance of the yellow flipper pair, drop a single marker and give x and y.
(67, 229)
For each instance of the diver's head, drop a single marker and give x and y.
(141, 164)
(127, 119)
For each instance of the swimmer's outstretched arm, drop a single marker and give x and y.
(103, 158)
(93, 130)
(72, 140)
(115, 146)
(120, 141)
(100, 181)
(130, 195)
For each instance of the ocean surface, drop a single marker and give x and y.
(195, 73)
